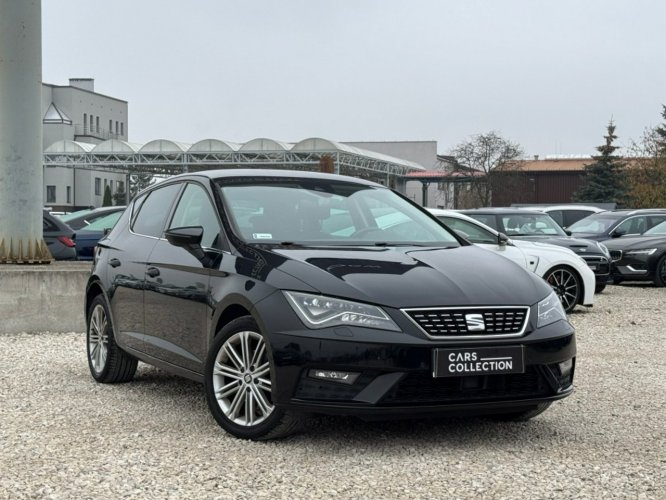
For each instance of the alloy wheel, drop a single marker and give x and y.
(566, 286)
(242, 379)
(98, 339)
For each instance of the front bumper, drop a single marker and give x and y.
(634, 268)
(600, 266)
(396, 371)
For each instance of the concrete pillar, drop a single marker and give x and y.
(21, 173)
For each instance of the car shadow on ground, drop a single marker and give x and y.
(351, 432)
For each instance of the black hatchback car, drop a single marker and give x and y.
(533, 225)
(288, 293)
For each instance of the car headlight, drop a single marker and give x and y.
(604, 249)
(642, 251)
(550, 310)
(319, 311)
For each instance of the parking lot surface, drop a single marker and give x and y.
(62, 435)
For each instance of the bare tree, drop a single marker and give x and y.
(490, 158)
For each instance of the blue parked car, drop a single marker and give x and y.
(88, 236)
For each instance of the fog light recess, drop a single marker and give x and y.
(565, 367)
(334, 376)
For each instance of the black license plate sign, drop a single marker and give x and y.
(478, 361)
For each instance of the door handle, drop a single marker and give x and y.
(153, 272)
(114, 262)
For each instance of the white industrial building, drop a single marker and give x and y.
(77, 113)
(86, 149)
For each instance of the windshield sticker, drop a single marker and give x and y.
(262, 236)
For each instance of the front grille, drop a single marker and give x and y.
(421, 387)
(599, 264)
(460, 322)
(616, 255)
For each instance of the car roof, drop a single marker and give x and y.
(501, 211)
(270, 173)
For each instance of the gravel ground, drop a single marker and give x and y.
(63, 436)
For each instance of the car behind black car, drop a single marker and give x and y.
(59, 237)
(533, 225)
(289, 293)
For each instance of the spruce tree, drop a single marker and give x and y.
(605, 179)
(661, 134)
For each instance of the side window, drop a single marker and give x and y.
(474, 233)
(571, 216)
(488, 220)
(196, 209)
(656, 219)
(633, 225)
(559, 217)
(154, 211)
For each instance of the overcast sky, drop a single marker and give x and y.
(548, 75)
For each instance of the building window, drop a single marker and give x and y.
(85, 123)
(69, 194)
(116, 128)
(106, 183)
(91, 123)
(110, 126)
(121, 187)
(122, 128)
(97, 124)
(111, 186)
(98, 186)
(50, 194)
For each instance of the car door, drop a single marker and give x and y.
(482, 237)
(177, 285)
(127, 257)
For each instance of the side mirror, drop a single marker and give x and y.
(189, 238)
(618, 232)
(502, 239)
(567, 232)
(185, 237)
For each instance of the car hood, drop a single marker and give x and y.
(538, 246)
(590, 236)
(412, 276)
(636, 242)
(577, 245)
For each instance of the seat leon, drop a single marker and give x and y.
(288, 293)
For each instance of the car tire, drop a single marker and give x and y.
(567, 285)
(660, 272)
(522, 416)
(238, 380)
(617, 280)
(108, 363)
(599, 288)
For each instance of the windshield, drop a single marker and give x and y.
(74, 215)
(595, 224)
(658, 230)
(531, 225)
(321, 211)
(106, 222)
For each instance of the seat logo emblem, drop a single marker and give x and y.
(475, 322)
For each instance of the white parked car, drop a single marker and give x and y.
(568, 274)
(565, 215)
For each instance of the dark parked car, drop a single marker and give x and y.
(288, 293)
(59, 237)
(533, 225)
(81, 218)
(617, 223)
(88, 236)
(640, 258)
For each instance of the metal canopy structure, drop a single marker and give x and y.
(164, 157)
